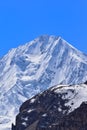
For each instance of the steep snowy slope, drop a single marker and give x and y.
(34, 67)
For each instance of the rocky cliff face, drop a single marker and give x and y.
(59, 108)
(76, 120)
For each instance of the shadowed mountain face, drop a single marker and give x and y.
(32, 68)
(59, 108)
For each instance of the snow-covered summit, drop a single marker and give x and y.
(34, 67)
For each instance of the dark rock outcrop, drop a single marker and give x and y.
(47, 111)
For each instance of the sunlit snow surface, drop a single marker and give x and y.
(34, 67)
(76, 94)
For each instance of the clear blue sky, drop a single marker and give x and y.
(24, 20)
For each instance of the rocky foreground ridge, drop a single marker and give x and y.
(58, 108)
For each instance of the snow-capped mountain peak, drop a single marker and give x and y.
(34, 67)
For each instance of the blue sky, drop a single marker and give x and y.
(24, 20)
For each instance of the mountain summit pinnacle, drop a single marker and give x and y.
(31, 68)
